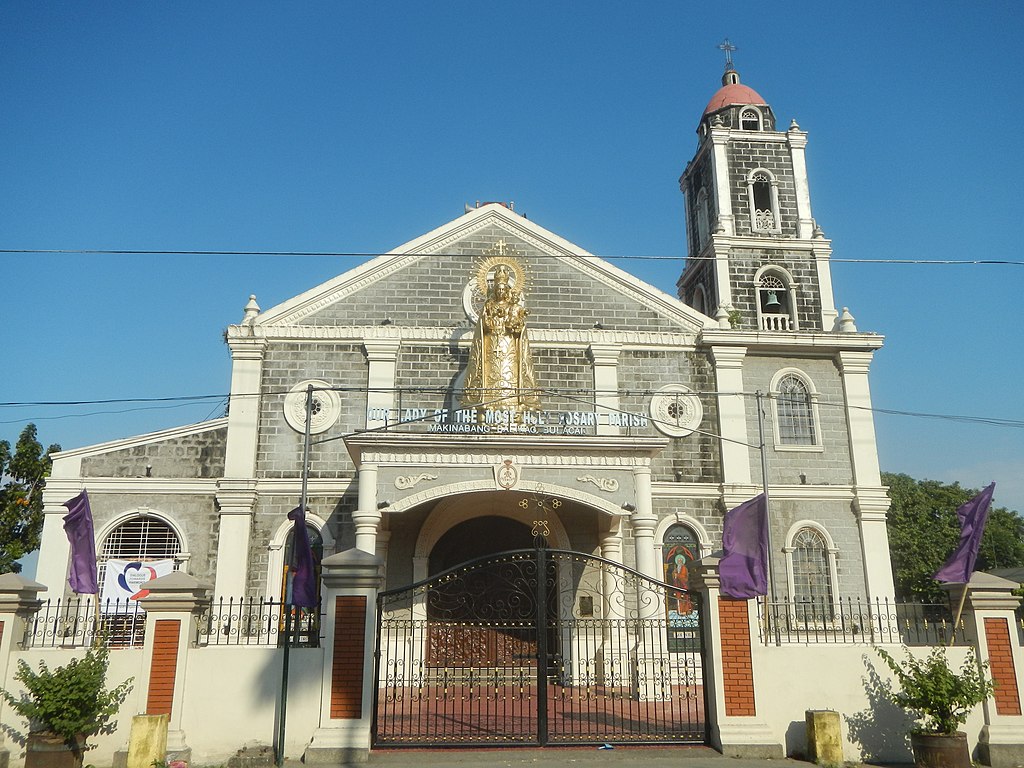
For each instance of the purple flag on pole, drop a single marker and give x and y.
(743, 568)
(303, 572)
(973, 515)
(78, 527)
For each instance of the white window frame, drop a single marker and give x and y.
(815, 447)
(757, 112)
(773, 188)
(831, 552)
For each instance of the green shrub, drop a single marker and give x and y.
(938, 697)
(71, 700)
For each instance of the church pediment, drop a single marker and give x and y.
(427, 284)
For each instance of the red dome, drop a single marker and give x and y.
(734, 93)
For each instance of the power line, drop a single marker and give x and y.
(370, 255)
(577, 395)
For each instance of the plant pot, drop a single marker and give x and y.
(938, 750)
(48, 750)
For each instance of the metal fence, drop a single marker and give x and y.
(858, 620)
(82, 621)
(255, 621)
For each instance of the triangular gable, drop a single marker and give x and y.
(295, 310)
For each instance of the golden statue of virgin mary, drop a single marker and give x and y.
(500, 373)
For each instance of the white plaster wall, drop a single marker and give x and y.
(233, 699)
(790, 679)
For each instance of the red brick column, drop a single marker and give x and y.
(350, 583)
(349, 653)
(737, 665)
(1004, 672)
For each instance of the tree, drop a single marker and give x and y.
(923, 532)
(23, 474)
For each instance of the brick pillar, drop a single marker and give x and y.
(350, 583)
(19, 602)
(990, 624)
(173, 607)
(729, 628)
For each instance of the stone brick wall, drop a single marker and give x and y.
(196, 455)
(744, 263)
(279, 453)
(746, 156)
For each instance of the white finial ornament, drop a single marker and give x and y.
(846, 323)
(252, 309)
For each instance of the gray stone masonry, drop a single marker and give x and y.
(747, 156)
(196, 455)
(744, 263)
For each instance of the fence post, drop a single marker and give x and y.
(350, 583)
(991, 626)
(173, 607)
(729, 631)
(19, 602)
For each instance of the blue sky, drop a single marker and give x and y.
(357, 126)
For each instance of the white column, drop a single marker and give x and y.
(381, 355)
(237, 500)
(822, 254)
(605, 358)
(732, 414)
(720, 173)
(367, 517)
(643, 521)
(797, 145)
(54, 550)
(244, 412)
(870, 501)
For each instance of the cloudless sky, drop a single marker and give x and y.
(354, 127)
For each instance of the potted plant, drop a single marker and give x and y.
(940, 699)
(64, 706)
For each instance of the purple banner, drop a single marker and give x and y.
(302, 571)
(743, 568)
(973, 515)
(78, 527)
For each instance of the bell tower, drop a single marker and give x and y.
(756, 259)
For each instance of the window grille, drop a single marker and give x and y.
(812, 582)
(143, 538)
(795, 412)
(749, 120)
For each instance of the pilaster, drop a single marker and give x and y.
(720, 170)
(236, 500)
(797, 141)
(727, 625)
(605, 359)
(990, 623)
(870, 505)
(381, 356)
(732, 414)
(351, 580)
(854, 366)
(173, 607)
(244, 411)
(19, 602)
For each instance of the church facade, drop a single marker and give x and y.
(490, 385)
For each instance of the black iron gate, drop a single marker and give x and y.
(538, 647)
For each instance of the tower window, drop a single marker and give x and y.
(703, 219)
(763, 196)
(776, 301)
(750, 120)
(794, 412)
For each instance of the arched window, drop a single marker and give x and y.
(703, 218)
(750, 119)
(812, 572)
(795, 412)
(136, 547)
(139, 539)
(679, 549)
(700, 300)
(773, 304)
(763, 198)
